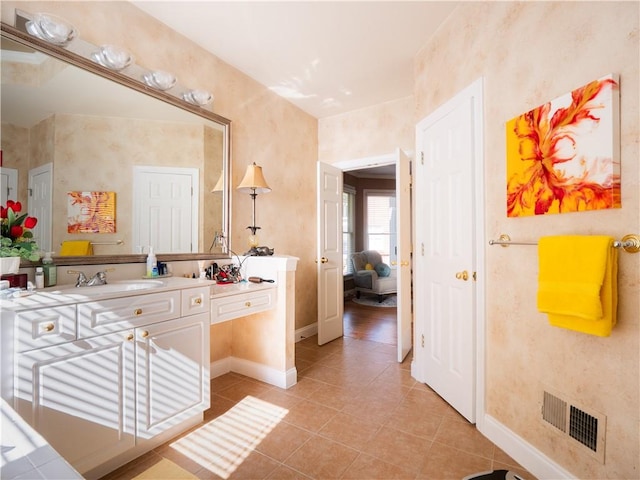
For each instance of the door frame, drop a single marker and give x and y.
(474, 90)
(379, 161)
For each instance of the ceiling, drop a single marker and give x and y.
(326, 57)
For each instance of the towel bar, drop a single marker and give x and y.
(115, 242)
(629, 243)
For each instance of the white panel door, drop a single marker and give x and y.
(165, 209)
(445, 235)
(404, 235)
(329, 258)
(41, 204)
(9, 184)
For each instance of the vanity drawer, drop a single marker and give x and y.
(107, 316)
(235, 306)
(195, 300)
(45, 327)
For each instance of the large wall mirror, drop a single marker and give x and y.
(72, 124)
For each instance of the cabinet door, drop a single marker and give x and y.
(172, 372)
(80, 396)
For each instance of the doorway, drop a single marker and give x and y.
(330, 259)
(369, 223)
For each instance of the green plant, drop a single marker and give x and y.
(17, 237)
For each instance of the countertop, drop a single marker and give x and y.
(69, 294)
(221, 290)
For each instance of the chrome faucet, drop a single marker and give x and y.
(99, 278)
(81, 281)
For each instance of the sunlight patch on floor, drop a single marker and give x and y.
(222, 444)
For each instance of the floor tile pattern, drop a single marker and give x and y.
(355, 413)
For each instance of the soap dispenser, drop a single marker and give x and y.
(50, 270)
(152, 264)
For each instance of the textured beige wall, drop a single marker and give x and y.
(368, 132)
(15, 154)
(266, 129)
(529, 53)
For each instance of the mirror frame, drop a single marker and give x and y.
(72, 58)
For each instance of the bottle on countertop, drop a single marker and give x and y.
(152, 264)
(39, 277)
(50, 270)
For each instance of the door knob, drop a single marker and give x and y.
(323, 260)
(464, 275)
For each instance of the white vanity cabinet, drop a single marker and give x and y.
(137, 367)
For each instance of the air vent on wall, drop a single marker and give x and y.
(554, 411)
(583, 427)
(586, 428)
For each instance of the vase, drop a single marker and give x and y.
(9, 265)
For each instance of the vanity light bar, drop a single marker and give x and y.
(59, 32)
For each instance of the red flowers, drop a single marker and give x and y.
(17, 238)
(15, 227)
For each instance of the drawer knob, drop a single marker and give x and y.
(48, 327)
(130, 337)
(144, 334)
(137, 311)
(247, 304)
(198, 301)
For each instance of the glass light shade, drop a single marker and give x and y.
(112, 57)
(51, 29)
(197, 97)
(159, 79)
(253, 181)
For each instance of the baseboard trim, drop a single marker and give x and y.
(306, 332)
(521, 451)
(283, 379)
(220, 367)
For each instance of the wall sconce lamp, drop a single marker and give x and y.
(253, 183)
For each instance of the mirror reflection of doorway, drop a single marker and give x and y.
(369, 221)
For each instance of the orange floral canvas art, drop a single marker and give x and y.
(563, 156)
(91, 212)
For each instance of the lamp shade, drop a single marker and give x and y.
(253, 181)
(219, 184)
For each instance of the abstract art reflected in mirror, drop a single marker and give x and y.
(94, 132)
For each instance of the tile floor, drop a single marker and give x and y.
(355, 413)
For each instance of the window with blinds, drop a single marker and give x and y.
(380, 221)
(348, 227)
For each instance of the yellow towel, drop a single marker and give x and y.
(76, 248)
(577, 282)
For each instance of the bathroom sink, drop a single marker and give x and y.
(111, 287)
